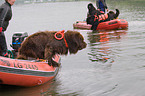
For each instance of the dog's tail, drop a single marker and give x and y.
(117, 13)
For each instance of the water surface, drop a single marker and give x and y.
(113, 63)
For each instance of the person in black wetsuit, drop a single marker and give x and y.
(5, 17)
(101, 4)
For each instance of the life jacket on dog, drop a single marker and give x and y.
(101, 17)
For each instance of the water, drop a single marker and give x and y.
(113, 63)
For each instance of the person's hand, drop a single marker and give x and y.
(1, 29)
(105, 7)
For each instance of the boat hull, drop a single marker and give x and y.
(26, 73)
(109, 25)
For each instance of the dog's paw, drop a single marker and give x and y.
(55, 64)
(49, 63)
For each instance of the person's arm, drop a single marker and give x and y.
(3, 12)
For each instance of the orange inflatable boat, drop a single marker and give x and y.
(25, 72)
(109, 25)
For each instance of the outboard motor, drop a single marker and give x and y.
(17, 39)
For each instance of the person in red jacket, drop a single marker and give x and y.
(5, 17)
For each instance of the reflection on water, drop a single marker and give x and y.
(99, 47)
(50, 88)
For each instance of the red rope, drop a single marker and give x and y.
(62, 36)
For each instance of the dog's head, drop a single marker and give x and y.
(92, 9)
(75, 41)
(112, 15)
(90, 6)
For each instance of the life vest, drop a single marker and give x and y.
(101, 12)
(101, 17)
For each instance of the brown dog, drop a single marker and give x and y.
(44, 45)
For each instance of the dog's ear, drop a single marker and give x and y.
(117, 13)
(71, 41)
(74, 40)
(111, 12)
(111, 15)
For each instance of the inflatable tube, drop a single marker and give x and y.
(109, 25)
(25, 72)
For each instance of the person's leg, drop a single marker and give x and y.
(3, 44)
(95, 25)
